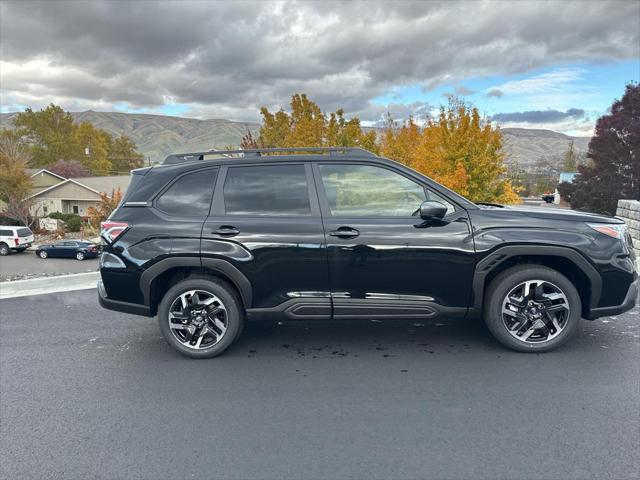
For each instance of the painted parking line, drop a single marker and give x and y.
(43, 285)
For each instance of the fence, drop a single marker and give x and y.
(629, 211)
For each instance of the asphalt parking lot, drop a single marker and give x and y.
(17, 266)
(87, 393)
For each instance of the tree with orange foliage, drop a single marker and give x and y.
(106, 205)
(457, 149)
(308, 126)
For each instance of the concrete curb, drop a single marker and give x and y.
(44, 285)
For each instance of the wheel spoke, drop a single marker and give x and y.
(527, 334)
(560, 307)
(180, 326)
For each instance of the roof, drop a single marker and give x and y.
(94, 184)
(35, 171)
(106, 184)
(58, 185)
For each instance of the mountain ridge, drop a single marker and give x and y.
(528, 150)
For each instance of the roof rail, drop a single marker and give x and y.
(259, 152)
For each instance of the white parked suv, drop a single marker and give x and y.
(14, 238)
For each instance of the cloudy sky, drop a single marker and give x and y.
(555, 65)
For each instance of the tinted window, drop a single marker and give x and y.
(190, 195)
(368, 191)
(267, 190)
(24, 232)
(6, 233)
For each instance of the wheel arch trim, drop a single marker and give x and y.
(488, 264)
(223, 267)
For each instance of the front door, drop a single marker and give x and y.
(384, 260)
(266, 221)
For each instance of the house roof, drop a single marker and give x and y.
(35, 171)
(106, 184)
(58, 185)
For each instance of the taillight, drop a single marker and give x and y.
(17, 240)
(112, 230)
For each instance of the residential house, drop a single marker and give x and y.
(53, 193)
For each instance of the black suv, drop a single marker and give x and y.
(209, 240)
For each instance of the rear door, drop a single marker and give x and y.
(384, 260)
(265, 220)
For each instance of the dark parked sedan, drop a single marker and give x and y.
(69, 249)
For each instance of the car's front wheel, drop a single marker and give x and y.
(43, 254)
(201, 316)
(532, 308)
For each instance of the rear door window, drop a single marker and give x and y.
(272, 190)
(190, 195)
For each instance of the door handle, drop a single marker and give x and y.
(345, 232)
(227, 230)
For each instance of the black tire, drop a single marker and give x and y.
(511, 278)
(227, 295)
(4, 249)
(80, 256)
(43, 254)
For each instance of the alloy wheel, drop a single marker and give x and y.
(43, 254)
(198, 319)
(4, 250)
(535, 311)
(80, 256)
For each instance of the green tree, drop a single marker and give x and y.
(94, 144)
(50, 133)
(123, 154)
(570, 159)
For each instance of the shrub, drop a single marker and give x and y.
(72, 221)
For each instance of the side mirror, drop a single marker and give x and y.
(432, 209)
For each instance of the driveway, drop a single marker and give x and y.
(18, 266)
(88, 393)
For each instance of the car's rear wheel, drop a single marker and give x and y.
(532, 308)
(80, 256)
(201, 316)
(43, 254)
(4, 249)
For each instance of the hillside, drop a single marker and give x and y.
(157, 135)
(533, 150)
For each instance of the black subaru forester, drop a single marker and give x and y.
(209, 240)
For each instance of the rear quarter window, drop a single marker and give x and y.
(190, 195)
(24, 232)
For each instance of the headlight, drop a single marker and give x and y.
(615, 230)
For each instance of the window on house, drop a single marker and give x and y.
(75, 209)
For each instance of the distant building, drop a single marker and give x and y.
(567, 177)
(53, 193)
